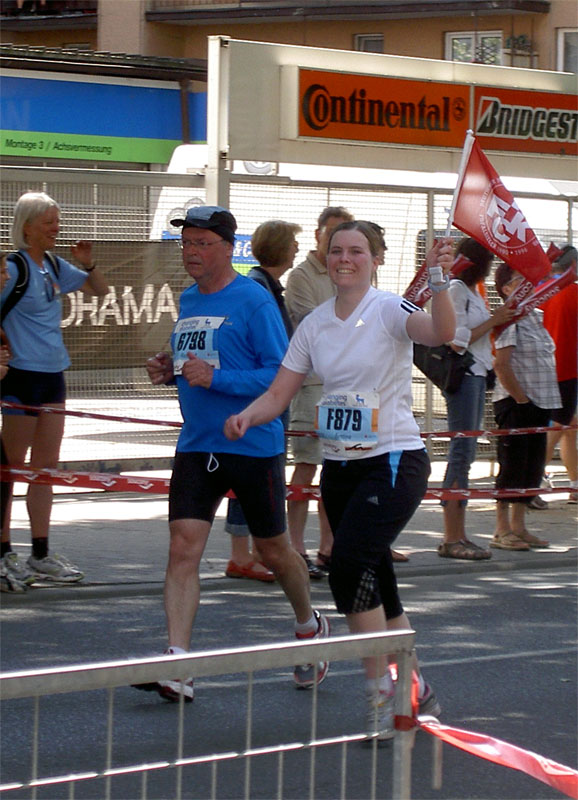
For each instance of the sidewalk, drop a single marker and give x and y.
(120, 540)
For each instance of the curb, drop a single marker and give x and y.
(80, 592)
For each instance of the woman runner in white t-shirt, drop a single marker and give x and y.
(375, 467)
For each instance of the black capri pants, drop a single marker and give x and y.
(521, 458)
(569, 394)
(368, 503)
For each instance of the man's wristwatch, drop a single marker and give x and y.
(89, 269)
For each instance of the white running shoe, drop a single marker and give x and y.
(9, 582)
(55, 568)
(306, 675)
(380, 715)
(17, 569)
(170, 690)
(428, 703)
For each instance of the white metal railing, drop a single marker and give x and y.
(108, 676)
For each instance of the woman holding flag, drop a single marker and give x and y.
(483, 208)
(375, 467)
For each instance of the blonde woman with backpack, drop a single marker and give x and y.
(31, 317)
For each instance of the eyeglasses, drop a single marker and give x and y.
(187, 244)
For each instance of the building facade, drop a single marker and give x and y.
(540, 34)
(96, 96)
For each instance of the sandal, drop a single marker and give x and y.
(532, 540)
(509, 541)
(398, 557)
(315, 572)
(323, 561)
(464, 549)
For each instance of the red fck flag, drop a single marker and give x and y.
(485, 210)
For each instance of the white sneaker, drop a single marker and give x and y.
(537, 503)
(170, 690)
(55, 568)
(380, 715)
(307, 675)
(9, 582)
(17, 569)
(428, 703)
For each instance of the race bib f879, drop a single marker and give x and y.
(196, 335)
(347, 422)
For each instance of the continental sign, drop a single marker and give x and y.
(365, 108)
(531, 122)
(368, 108)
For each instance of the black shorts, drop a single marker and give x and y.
(32, 389)
(569, 395)
(200, 481)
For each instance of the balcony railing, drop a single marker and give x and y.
(47, 8)
(391, 9)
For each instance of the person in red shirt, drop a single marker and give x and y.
(561, 322)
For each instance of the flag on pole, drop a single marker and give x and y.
(418, 291)
(485, 210)
(553, 252)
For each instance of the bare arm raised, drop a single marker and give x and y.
(95, 283)
(439, 326)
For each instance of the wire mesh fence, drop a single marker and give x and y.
(127, 216)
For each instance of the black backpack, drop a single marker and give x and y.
(23, 279)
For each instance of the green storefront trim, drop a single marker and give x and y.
(94, 148)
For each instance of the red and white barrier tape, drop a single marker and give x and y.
(88, 414)
(122, 483)
(469, 434)
(312, 434)
(560, 777)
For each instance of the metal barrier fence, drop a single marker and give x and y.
(106, 760)
(127, 216)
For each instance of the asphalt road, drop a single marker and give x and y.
(499, 648)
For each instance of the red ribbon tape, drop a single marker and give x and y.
(560, 777)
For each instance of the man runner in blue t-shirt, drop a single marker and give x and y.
(227, 346)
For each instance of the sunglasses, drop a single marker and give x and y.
(51, 290)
